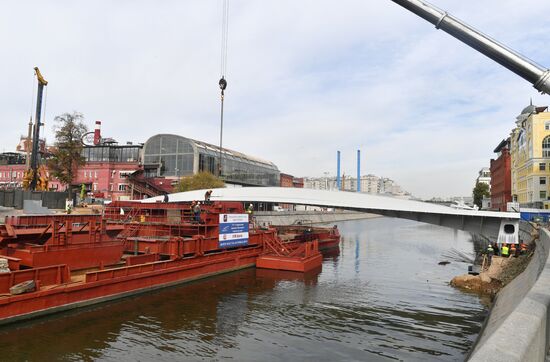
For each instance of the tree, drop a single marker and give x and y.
(481, 190)
(67, 154)
(199, 181)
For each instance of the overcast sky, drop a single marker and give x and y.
(306, 78)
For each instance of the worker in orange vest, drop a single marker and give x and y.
(523, 249)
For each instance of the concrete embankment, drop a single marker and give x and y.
(308, 217)
(518, 327)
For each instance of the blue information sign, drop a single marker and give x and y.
(233, 230)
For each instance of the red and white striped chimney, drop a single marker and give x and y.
(97, 133)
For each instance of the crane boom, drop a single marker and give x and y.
(517, 63)
(36, 134)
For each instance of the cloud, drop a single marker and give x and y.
(305, 79)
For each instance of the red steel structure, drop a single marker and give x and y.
(78, 260)
(501, 177)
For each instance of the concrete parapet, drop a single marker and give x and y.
(308, 217)
(518, 326)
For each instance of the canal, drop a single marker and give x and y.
(383, 297)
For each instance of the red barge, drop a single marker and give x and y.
(61, 262)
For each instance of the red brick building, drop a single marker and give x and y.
(104, 174)
(298, 182)
(501, 177)
(287, 180)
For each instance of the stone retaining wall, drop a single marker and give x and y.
(518, 326)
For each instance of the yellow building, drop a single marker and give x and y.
(530, 156)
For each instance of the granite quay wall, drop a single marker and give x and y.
(517, 328)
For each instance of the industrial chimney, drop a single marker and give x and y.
(358, 170)
(338, 181)
(97, 133)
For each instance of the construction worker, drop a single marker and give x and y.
(505, 250)
(197, 212)
(250, 212)
(513, 250)
(207, 195)
(490, 253)
(522, 249)
(192, 210)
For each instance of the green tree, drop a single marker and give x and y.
(480, 190)
(67, 154)
(199, 181)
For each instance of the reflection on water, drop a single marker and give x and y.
(382, 296)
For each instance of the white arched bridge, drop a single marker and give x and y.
(496, 226)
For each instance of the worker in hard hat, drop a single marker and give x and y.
(505, 251)
(490, 253)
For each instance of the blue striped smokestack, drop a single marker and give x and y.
(338, 181)
(358, 170)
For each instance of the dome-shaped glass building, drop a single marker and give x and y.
(172, 156)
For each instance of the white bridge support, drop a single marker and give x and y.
(485, 223)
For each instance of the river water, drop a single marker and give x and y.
(383, 297)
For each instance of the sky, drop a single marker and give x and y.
(305, 79)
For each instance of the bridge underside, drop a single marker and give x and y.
(485, 223)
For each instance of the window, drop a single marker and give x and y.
(542, 180)
(122, 187)
(95, 174)
(95, 187)
(123, 174)
(85, 174)
(547, 126)
(542, 195)
(509, 228)
(546, 147)
(542, 166)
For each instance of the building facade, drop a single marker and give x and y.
(12, 170)
(106, 170)
(501, 177)
(530, 157)
(172, 156)
(286, 180)
(119, 172)
(484, 176)
(370, 184)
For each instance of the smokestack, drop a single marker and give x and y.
(358, 170)
(97, 133)
(338, 181)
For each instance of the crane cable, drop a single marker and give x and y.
(223, 69)
(32, 96)
(224, 29)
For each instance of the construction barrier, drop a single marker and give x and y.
(16, 198)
